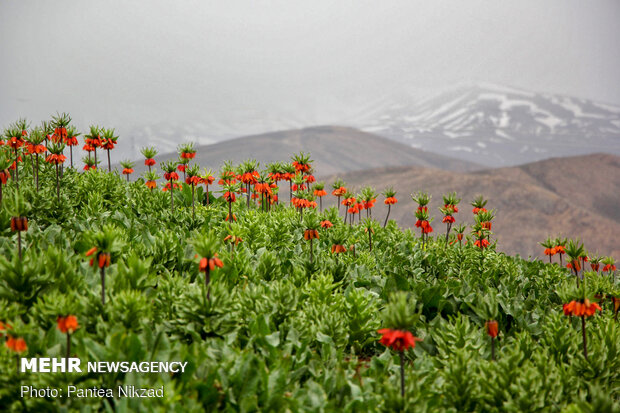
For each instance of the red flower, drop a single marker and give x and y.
(491, 327)
(149, 162)
(151, 184)
(609, 267)
(595, 267)
(127, 171)
(390, 201)
(549, 251)
(67, 324)
(229, 196)
(182, 167)
(311, 234)
(448, 219)
(577, 308)
(397, 340)
(17, 345)
(210, 263)
(19, 224)
(192, 180)
(171, 176)
(326, 224)
(454, 208)
(482, 243)
(15, 142)
(337, 249)
(309, 179)
(340, 191)
(55, 159)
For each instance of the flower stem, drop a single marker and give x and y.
(402, 373)
(68, 345)
(583, 334)
(103, 286)
(493, 348)
(19, 244)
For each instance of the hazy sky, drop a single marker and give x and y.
(132, 63)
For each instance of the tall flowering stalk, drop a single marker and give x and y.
(248, 175)
(478, 203)
(171, 176)
(229, 190)
(459, 231)
(67, 325)
(549, 246)
(582, 308)
(5, 164)
(108, 142)
(149, 153)
(207, 247)
(192, 180)
(89, 164)
(36, 148)
(450, 207)
(105, 243)
(15, 141)
(390, 199)
(560, 248)
(150, 178)
(288, 173)
(56, 158)
(207, 179)
(71, 141)
(311, 233)
(127, 168)
(574, 251)
(339, 190)
(93, 141)
(492, 331)
(348, 201)
(397, 336)
(422, 217)
(368, 198)
(18, 208)
(319, 192)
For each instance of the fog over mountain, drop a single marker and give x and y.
(165, 72)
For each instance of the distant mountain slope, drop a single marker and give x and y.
(501, 126)
(576, 197)
(334, 149)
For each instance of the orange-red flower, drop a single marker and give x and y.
(17, 345)
(229, 196)
(482, 243)
(4, 327)
(210, 263)
(149, 162)
(578, 308)
(127, 171)
(550, 251)
(491, 328)
(103, 258)
(390, 200)
(192, 180)
(171, 176)
(326, 224)
(397, 340)
(340, 191)
(609, 267)
(448, 219)
(67, 324)
(151, 184)
(337, 249)
(311, 234)
(55, 159)
(19, 224)
(476, 210)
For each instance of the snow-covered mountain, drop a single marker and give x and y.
(501, 126)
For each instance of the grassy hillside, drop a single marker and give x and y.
(575, 197)
(336, 149)
(278, 327)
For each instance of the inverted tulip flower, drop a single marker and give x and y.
(149, 153)
(560, 248)
(595, 263)
(89, 164)
(127, 168)
(288, 173)
(207, 247)
(229, 190)
(67, 325)
(187, 151)
(459, 232)
(348, 201)
(302, 162)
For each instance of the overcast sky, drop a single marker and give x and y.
(129, 63)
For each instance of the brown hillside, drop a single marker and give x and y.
(334, 149)
(574, 197)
